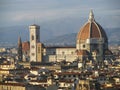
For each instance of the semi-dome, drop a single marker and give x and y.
(91, 29)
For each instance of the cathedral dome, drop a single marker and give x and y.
(91, 29)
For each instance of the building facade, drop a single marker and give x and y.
(58, 54)
(91, 44)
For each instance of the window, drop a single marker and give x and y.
(38, 49)
(83, 46)
(74, 75)
(64, 76)
(63, 53)
(37, 37)
(33, 54)
(32, 37)
(33, 46)
(54, 53)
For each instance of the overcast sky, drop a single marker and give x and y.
(25, 12)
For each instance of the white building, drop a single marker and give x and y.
(34, 39)
(58, 54)
(91, 44)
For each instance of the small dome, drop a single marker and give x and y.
(91, 30)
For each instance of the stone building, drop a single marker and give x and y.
(92, 41)
(34, 40)
(91, 44)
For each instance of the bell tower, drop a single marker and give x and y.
(34, 39)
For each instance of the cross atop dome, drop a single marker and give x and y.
(91, 16)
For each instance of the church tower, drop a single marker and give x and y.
(20, 55)
(34, 39)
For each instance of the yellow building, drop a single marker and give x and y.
(83, 85)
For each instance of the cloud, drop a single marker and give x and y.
(44, 14)
(19, 11)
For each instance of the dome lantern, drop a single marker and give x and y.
(91, 16)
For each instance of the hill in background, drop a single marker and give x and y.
(53, 33)
(10, 35)
(70, 39)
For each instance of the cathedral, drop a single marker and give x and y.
(91, 45)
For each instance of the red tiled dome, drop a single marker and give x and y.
(91, 30)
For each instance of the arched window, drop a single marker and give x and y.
(33, 54)
(63, 53)
(33, 46)
(83, 46)
(32, 37)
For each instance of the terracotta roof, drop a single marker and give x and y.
(91, 29)
(95, 33)
(25, 46)
(84, 32)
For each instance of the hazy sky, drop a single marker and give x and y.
(25, 12)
